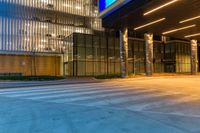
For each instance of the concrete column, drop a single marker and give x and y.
(149, 53)
(124, 52)
(194, 57)
(164, 39)
(62, 65)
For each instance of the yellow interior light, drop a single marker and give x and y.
(178, 29)
(190, 19)
(192, 35)
(160, 7)
(148, 24)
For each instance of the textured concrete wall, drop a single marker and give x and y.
(194, 57)
(149, 53)
(30, 65)
(124, 52)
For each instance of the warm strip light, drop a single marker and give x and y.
(148, 24)
(160, 7)
(192, 35)
(190, 19)
(178, 29)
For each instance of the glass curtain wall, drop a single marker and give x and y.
(94, 55)
(136, 55)
(158, 57)
(43, 25)
(183, 60)
(100, 55)
(177, 57)
(170, 57)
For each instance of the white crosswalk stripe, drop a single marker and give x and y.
(66, 91)
(105, 94)
(85, 97)
(158, 104)
(51, 91)
(52, 88)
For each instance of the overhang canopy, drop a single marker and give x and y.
(174, 18)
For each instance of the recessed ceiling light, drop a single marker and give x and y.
(190, 19)
(160, 7)
(148, 24)
(178, 29)
(192, 35)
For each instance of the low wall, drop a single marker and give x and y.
(30, 65)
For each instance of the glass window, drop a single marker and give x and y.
(88, 40)
(81, 53)
(103, 68)
(141, 47)
(103, 42)
(111, 42)
(80, 40)
(89, 53)
(96, 41)
(104, 54)
(97, 66)
(117, 43)
(136, 46)
(89, 68)
(81, 69)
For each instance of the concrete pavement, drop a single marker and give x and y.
(149, 105)
(17, 84)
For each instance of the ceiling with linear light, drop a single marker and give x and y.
(173, 18)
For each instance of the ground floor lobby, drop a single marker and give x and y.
(94, 55)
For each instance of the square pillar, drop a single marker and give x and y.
(194, 57)
(124, 52)
(149, 53)
(62, 65)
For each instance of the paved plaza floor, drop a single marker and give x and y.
(141, 105)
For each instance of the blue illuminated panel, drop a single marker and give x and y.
(103, 4)
(109, 2)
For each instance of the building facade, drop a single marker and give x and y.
(175, 22)
(34, 32)
(95, 55)
(66, 37)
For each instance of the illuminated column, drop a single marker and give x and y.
(194, 60)
(124, 52)
(62, 65)
(149, 53)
